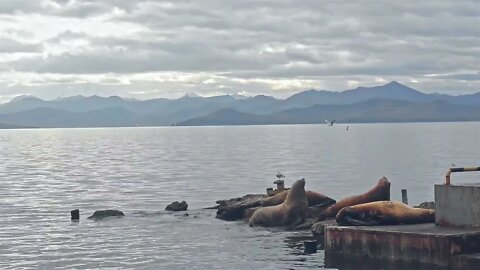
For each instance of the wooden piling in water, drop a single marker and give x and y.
(404, 196)
(310, 246)
(75, 215)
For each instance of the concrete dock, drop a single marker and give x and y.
(421, 246)
(457, 205)
(452, 242)
(467, 261)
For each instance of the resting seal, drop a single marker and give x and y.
(383, 213)
(381, 192)
(313, 199)
(291, 212)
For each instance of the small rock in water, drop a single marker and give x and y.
(426, 205)
(177, 206)
(75, 215)
(100, 214)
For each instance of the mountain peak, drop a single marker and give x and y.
(263, 97)
(115, 98)
(70, 98)
(394, 83)
(24, 97)
(191, 95)
(239, 96)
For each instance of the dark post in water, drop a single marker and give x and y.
(404, 196)
(310, 246)
(75, 214)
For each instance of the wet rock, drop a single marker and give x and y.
(318, 228)
(426, 205)
(235, 209)
(177, 206)
(101, 214)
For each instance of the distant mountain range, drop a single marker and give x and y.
(392, 102)
(371, 111)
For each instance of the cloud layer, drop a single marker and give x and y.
(148, 49)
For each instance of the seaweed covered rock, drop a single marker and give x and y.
(177, 206)
(101, 214)
(235, 209)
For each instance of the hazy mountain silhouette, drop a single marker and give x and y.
(260, 104)
(81, 111)
(9, 126)
(392, 90)
(47, 117)
(371, 111)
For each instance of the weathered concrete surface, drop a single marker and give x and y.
(466, 261)
(457, 205)
(420, 246)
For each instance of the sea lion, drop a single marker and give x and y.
(381, 192)
(249, 212)
(383, 213)
(289, 213)
(313, 198)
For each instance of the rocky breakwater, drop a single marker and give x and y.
(238, 208)
(242, 208)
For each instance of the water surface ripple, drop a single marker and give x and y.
(45, 173)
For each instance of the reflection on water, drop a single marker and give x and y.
(46, 173)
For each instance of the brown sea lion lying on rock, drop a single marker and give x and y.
(381, 192)
(291, 212)
(313, 199)
(383, 213)
(244, 207)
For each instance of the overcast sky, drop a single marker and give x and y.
(146, 49)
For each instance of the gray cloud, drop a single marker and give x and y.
(272, 46)
(8, 45)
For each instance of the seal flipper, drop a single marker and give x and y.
(296, 220)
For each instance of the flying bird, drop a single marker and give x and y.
(330, 123)
(279, 175)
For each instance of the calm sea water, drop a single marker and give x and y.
(45, 173)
